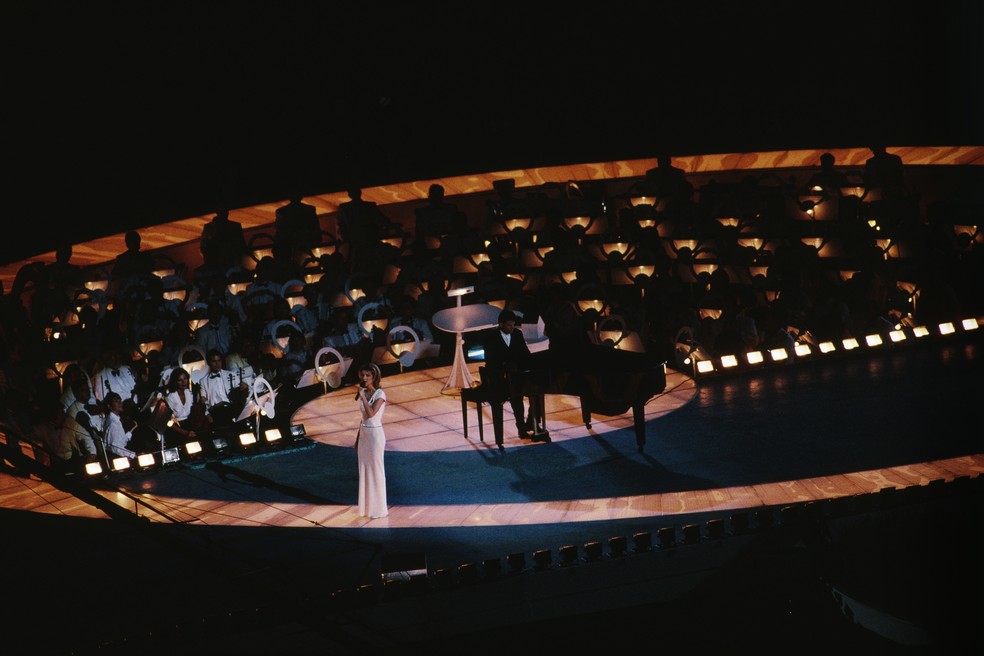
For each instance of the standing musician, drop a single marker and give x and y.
(224, 392)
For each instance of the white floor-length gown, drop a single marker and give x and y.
(372, 474)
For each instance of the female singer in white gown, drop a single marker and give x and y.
(371, 444)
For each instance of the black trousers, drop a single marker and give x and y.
(507, 387)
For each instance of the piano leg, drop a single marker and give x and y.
(639, 420)
(538, 414)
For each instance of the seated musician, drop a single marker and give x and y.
(187, 408)
(224, 392)
(506, 358)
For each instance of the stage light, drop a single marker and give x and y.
(691, 534)
(969, 324)
(802, 350)
(666, 537)
(642, 542)
(220, 444)
(542, 559)
(193, 448)
(754, 357)
(145, 460)
(778, 354)
(850, 344)
(444, 576)
(764, 519)
(517, 562)
(568, 555)
(946, 328)
(739, 523)
(492, 567)
(93, 469)
(920, 331)
(592, 551)
(120, 463)
(247, 439)
(171, 456)
(715, 529)
(827, 347)
(896, 335)
(617, 546)
(729, 361)
(297, 430)
(467, 573)
(705, 366)
(873, 340)
(272, 435)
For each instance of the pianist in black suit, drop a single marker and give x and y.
(506, 357)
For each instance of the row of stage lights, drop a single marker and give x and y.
(704, 367)
(247, 442)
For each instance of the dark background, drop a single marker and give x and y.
(120, 115)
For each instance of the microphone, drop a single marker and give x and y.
(361, 387)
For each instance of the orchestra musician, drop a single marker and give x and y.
(188, 414)
(223, 391)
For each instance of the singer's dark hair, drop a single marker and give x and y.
(374, 370)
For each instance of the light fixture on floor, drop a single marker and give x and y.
(666, 537)
(492, 567)
(467, 573)
(642, 541)
(691, 533)
(568, 555)
(516, 562)
(542, 559)
(617, 546)
(592, 551)
(444, 577)
(715, 529)
(170, 456)
(120, 464)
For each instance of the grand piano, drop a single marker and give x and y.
(606, 380)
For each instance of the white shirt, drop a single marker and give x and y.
(215, 387)
(181, 409)
(117, 438)
(76, 438)
(122, 381)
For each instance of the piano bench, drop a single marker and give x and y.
(477, 396)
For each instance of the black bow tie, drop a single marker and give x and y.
(116, 372)
(215, 375)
